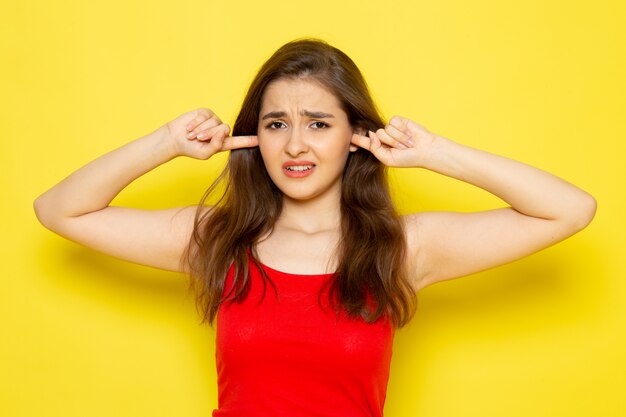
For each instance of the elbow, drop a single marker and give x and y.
(585, 211)
(37, 207)
(42, 213)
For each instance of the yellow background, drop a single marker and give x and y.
(541, 81)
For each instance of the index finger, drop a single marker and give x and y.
(362, 141)
(236, 142)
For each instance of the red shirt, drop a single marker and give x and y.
(290, 358)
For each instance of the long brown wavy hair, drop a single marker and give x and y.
(371, 254)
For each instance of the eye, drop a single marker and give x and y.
(274, 125)
(319, 125)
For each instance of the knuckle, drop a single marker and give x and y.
(395, 120)
(396, 132)
(203, 129)
(201, 114)
(208, 124)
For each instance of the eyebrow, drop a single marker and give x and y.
(311, 114)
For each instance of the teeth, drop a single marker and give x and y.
(299, 168)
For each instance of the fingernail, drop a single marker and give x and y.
(191, 135)
(200, 135)
(189, 126)
(410, 142)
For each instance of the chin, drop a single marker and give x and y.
(299, 195)
(307, 189)
(307, 194)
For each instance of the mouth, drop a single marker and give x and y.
(298, 169)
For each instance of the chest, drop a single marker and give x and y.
(296, 330)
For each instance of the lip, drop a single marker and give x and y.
(298, 174)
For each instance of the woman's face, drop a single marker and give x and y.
(304, 138)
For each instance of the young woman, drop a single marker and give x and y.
(307, 214)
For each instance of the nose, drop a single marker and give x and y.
(296, 143)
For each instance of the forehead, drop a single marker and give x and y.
(287, 94)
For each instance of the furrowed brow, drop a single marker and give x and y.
(311, 114)
(316, 114)
(274, 115)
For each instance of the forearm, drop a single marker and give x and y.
(528, 190)
(94, 186)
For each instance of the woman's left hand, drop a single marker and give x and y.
(402, 143)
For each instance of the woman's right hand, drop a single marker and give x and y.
(200, 134)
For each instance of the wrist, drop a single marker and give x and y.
(434, 155)
(166, 146)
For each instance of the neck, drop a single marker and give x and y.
(312, 216)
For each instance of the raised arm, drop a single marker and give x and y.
(544, 209)
(78, 209)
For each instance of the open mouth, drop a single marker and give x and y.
(299, 168)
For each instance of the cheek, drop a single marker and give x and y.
(341, 144)
(264, 144)
(269, 151)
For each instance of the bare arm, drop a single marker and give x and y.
(544, 209)
(78, 207)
